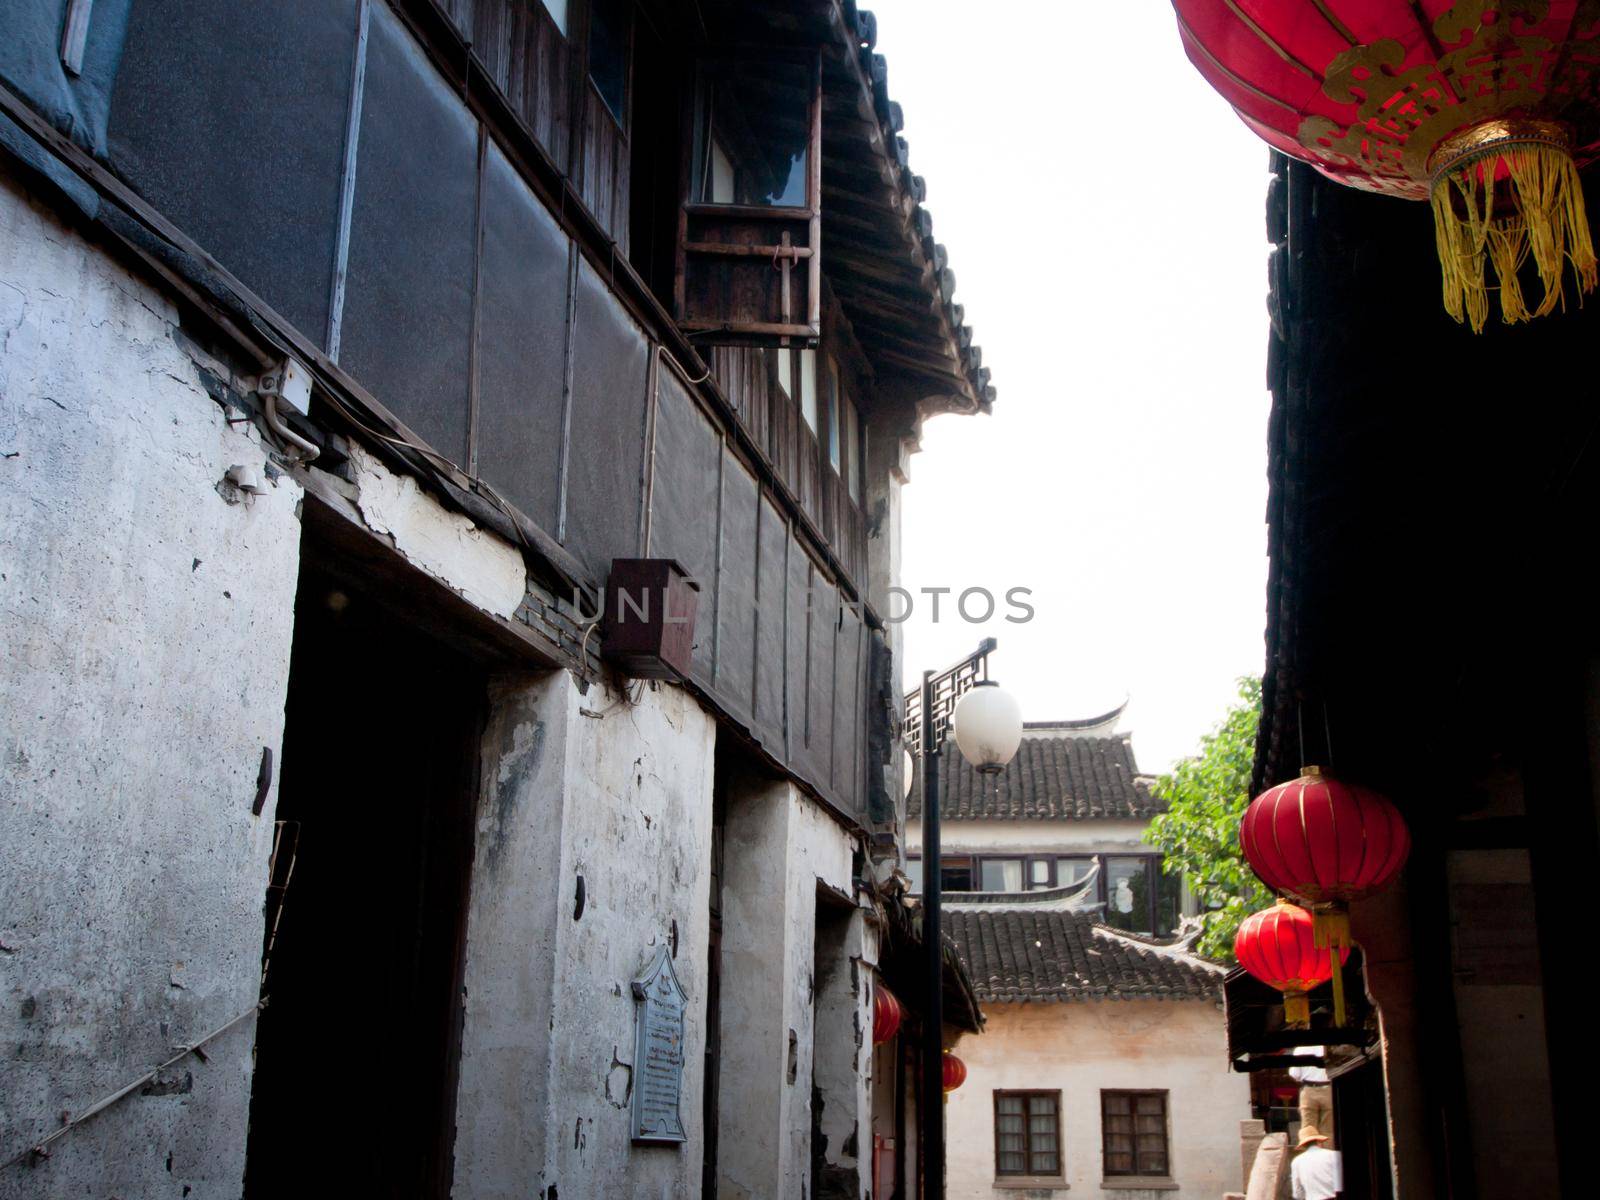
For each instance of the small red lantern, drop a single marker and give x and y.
(886, 1015)
(955, 1072)
(1325, 842)
(1277, 946)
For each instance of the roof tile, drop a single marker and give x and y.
(1018, 955)
(1051, 779)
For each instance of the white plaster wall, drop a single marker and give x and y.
(779, 846)
(510, 966)
(619, 794)
(1081, 1048)
(146, 625)
(999, 837)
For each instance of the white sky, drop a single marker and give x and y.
(1103, 209)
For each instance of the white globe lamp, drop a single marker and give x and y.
(988, 727)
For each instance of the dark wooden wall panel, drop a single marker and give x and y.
(408, 304)
(736, 588)
(797, 651)
(251, 175)
(683, 502)
(771, 623)
(610, 369)
(847, 704)
(819, 683)
(523, 51)
(603, 168)
(522, 343)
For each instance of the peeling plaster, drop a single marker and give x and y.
(481, 567)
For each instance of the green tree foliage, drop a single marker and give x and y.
(1199, 833)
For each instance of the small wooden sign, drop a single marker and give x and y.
(659, 1005)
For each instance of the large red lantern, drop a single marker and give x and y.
(1488, 108)
(955, 1072)
(1279, 947)
(886, 1015)
(1325, 842)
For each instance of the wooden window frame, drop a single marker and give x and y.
(1166, 1134)
(1027, 1096)
(782, 219)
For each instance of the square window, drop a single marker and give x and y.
(1001, 875)
(955, 875)
(1027, 1133)
(1133, 1130)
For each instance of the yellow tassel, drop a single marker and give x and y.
(1296, 1010)
(1330, 930)
(1548, 222)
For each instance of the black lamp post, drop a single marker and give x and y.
(988, 728)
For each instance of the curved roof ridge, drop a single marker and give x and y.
(1083, 722)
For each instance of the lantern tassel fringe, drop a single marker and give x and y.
(1296, 1010)
(1548, 222)
(1330, 929)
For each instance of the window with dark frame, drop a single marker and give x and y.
(955, 875)
(1027, 1133)
(1133, 1130)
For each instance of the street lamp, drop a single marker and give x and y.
(987, 724)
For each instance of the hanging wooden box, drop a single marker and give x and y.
(651, 606)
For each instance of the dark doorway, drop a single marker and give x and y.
(356, 1051)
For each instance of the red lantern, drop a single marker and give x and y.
(1485, 107)
(1278, 947)
(955, 1072)
(1321, 839)
(886, 1014)
(1326, 843)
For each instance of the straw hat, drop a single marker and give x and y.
(1309, 1134)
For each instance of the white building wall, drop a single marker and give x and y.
(1081, 1048)
(146, 622)
(780, 847)
(587, 792)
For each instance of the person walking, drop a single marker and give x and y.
(1317, 1173)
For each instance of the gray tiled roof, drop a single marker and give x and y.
(1051, 779)
(1047, 956)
